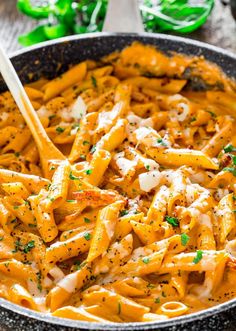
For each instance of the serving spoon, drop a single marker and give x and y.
(48, 152)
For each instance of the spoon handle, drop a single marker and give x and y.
(47, 149)
(123, 16)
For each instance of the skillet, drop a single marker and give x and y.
(51, 59)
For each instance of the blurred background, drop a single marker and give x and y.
(26, 22)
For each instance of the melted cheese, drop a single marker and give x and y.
(149, 180)
(79, 108)
(69, 282)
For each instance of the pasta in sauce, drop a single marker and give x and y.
(138, 223)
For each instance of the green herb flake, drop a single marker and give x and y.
(147, 167)
(93, 149)
(17, 246)
(157, 300)
(88, 172)
(229, 148)
(72, 177)
(233, 157)
(87, 236)
(1, 238)
(150, 286)
(211, 113)
(76, 125)
(30, 245)
(193, 119)
(51, 117)
(230, 169)
(71, 201)
(94, 81)
(198, 257)
(163, 294)
(161, 142)
(15, 207)
(172, 220)
(86, 220)
(184, 239)
(124, 212)
(85, 142)
(32, 225)
(77, 265)
(17, 154)
(60, 129)
(146, 260)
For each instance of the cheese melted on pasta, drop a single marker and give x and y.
(138, 224)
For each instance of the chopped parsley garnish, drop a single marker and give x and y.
(71, 201)
(211, 113)
(172, 220)
(147, 167)
(229, 148)
(94, 81)
(163, 294)
(15, 207)
(77, 265)
(157, 300)
(198, 257)
(52, 168)
(233, 157)
(93, 149)
(230, 169)
(17, 246)
(17, 154)
(150, 285)
(184, 239)
(87, 236)
(72, 177)
(86, 220)
(124, 212)
(1, 238)
(32, 225)
(161, 142)
(60, 130)
(146, 260)
(88, 172)
(85, 142)
(193, 119)
(51, 117)
(27, 248)
(76, 125)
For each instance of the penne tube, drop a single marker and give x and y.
(179, 157)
